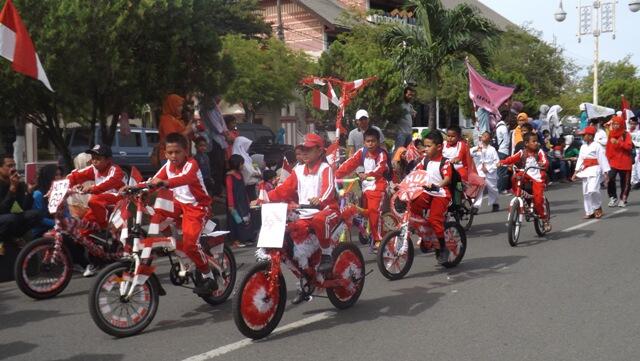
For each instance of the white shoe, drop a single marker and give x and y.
(613, 201)
(90, 271)
(622, 204)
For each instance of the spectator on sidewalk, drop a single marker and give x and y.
(46, 176)
(405, 124)
(217, 132)
(16, 214)
(356, 136)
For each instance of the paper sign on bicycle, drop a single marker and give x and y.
(58, 191)
(274, 222)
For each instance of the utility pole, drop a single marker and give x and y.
(280, 28)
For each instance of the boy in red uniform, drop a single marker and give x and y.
(374, 161)
(439, 171)
(190, 200)
(108, 178)
(311, 183)
(457, 151)
(533, 156)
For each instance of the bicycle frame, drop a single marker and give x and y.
(521, 199)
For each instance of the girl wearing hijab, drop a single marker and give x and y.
(250, 173)
(553, 116)
(171, 121)
(619, 155)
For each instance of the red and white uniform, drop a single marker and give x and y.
(591, 165)
(437, 202)
(526, 159)
(103, 193)
(457, 151)
(191, 202)
(375, 165)
(304, 183)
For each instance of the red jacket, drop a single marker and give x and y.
(185, 182)
(375, 167)
(305, 183)
(109, 181)
(619, 154)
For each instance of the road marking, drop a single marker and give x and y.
(248, 342)
(584, 224)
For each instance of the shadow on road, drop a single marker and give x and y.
(12, 349)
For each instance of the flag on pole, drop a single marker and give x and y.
(319, 100)
(485, 93)
(598, 111)
(333, 96)
(625, 106)
(17, 47)
(286, 170)
(135, 177)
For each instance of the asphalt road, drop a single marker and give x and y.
(569, 296)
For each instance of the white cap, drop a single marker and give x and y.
(361, 113)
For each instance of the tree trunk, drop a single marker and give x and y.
(433, 83)
(249, 113)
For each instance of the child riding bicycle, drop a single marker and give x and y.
(311, 183)
(533, 157)
(190, 201)
(437, 200)
(374, 160)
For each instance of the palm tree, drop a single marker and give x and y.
(439, 37)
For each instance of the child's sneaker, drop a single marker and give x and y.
(622, 204)
(613, 201)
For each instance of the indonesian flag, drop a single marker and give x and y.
(333, 153)
(135, 177)
(17, 47)
(319, 100)
(286, 171)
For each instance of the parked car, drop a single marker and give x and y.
(133, 149)
(264, 142)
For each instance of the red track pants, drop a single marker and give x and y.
(98, 208)
(438, 208)
(193, 220)
(372, 201)
(322, 223)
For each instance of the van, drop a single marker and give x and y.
(133, 149)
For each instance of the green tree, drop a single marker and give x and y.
(268, 73)
(113, 56)
(440, 36)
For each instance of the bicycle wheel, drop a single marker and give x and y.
(389, 222)
(466, 214)
(393, 262)
(538, 223)
(42, 272)
(348, 265)
(456, 241)
(111, 311)
(513, 226)
(256, 313)
(228, 275)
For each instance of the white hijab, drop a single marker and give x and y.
(554, 121)
(250, 173)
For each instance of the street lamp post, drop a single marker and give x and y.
(595, 19)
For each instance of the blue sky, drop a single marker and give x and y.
(539, 13)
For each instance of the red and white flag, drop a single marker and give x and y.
(17, 47)
(135, 177)
(286, 171)
(626, 109)
(412, 153)
(332, 95)
(358, 83)
(319, 100)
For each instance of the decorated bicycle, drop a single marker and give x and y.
(396, 254)
(125, 296)
(44, 266)
(259, 301)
